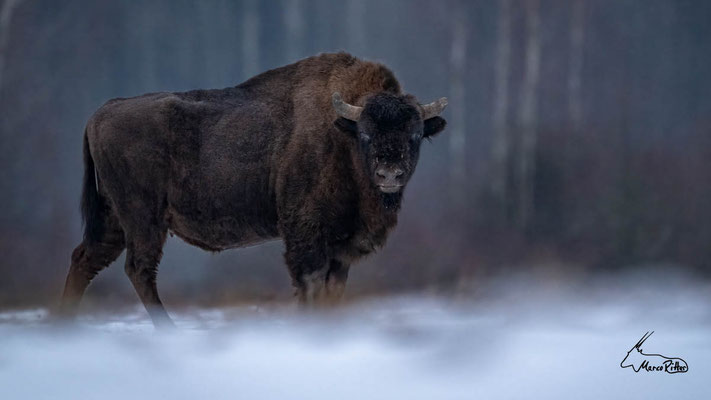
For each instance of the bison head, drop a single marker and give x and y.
(389, 129)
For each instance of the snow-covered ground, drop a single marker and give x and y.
(513, 340)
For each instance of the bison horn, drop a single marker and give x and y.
(345, 110)
(433, 109)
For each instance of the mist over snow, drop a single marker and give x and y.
(508, 340)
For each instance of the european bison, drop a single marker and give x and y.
(317, 153)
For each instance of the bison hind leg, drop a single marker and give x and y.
(88, 259)
(144, 252)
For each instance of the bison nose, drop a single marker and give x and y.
(389, 180)
(389, 173)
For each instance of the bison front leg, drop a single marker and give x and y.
(336, 280)
(318, 282)
(308, 271)
(311, 289)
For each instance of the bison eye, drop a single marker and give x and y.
(365, 137)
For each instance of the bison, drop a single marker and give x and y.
(316, 153)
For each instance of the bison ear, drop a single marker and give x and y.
(346, 126)
(433, 126)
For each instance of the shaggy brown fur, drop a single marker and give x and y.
(237, 166)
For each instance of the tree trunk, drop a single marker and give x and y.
(501, 141)
(250, 38)
(294, 21)
(577, 30)
(355, 26)
(457, 140)
(527, 116)
(8, 7)
(144, 29)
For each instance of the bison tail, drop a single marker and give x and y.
(92, 205)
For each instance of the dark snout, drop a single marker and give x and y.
(389, 179)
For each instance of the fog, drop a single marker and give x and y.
(510, 339)
(561, 215)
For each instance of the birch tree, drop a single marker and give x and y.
(355, 26)
(527, 113)
(501, 141)
(6, 11)
(250, 38)
(294, 21)
(457, 140)
(577, 30)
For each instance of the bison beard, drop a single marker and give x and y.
(316, 153)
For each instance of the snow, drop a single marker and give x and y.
(511, 341)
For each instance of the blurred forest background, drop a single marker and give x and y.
(579, 135)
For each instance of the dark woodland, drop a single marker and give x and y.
(578, 134)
